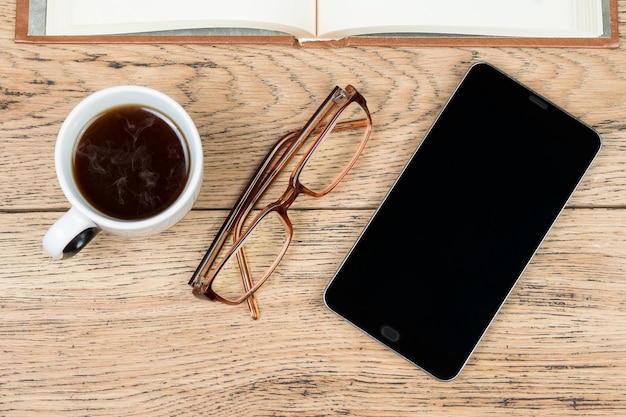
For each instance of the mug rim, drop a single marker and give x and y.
(101, 101)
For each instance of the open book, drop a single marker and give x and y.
(309, 21)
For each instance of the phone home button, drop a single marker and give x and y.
(390, 333)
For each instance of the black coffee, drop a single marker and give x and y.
(131, 162)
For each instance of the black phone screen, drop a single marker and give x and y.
(469, 210)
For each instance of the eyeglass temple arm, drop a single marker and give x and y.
(245, 203)
(235, 213)
(239, 210)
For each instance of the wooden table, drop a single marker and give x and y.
(115, 330)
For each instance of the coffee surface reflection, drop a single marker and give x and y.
(131, 162)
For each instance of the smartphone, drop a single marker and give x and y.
(441, 254)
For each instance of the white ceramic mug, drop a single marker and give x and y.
(70, 233)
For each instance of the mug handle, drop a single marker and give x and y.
(69, 234)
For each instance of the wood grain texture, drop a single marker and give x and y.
(115, 330)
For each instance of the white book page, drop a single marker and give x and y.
(531, 18)
(105, 17)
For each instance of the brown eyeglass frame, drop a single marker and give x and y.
(323, 121)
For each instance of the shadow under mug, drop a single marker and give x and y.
(71, 232)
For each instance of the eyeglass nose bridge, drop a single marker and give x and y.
(290, 195)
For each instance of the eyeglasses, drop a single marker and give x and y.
(251, 242)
